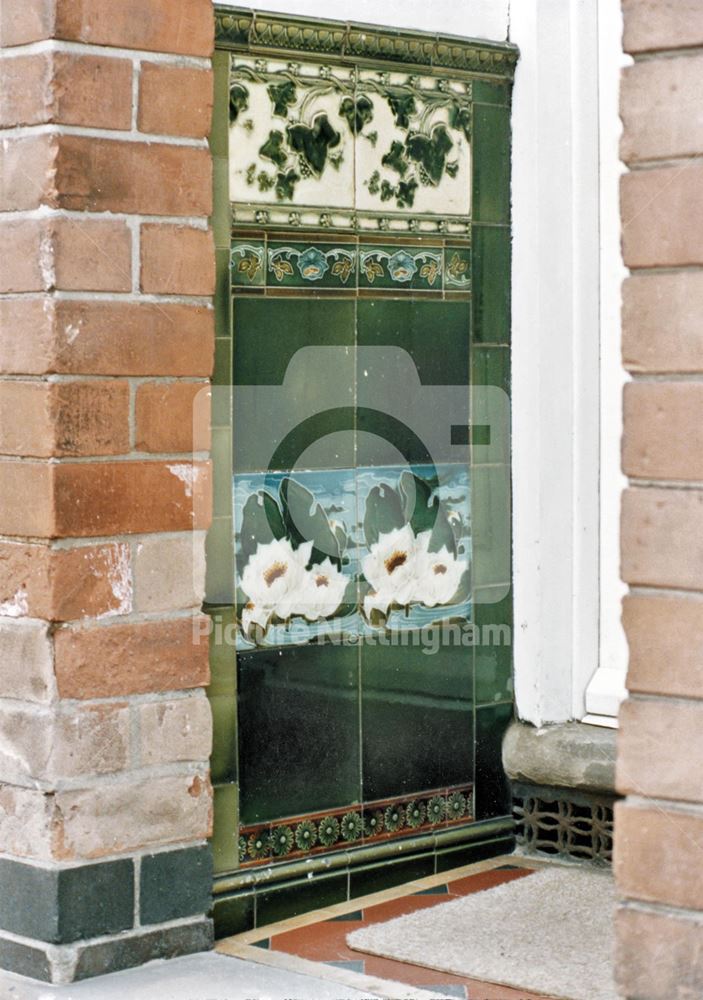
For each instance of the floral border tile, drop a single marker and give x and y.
(248, 263)
(356, 825)
(457, 268)
(302, 265)
(400, 267)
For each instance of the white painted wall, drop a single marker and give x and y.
(472, 18)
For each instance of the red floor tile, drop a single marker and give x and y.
(326, 941)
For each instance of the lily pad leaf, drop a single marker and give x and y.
(283, 96)
(403, 107)
(357, 113)
(238, 100)
(273, 149)
(430, 151)
(312, 142)
(442, 535)
(262, 522)
(306, 521)
(384, 513)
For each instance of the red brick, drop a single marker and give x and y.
(662, 24)
(102, 498)
(65, 88)
(662, 216)
(104, 338)
(662, 331)
(173, 417)
(27, 172)
(23, 21)
(659, 102)
(662, 538)
(66, 254)
(177, 260)
(665, 630)
(130, 815)
(663, 435)
(657, 739)
(20, 480)
(65, 584)
(175, 100)
(139, 658)
(25, 90)
(185, 27)
(108, 175)
(110, 498)
(64, 419)
(659, 955)
(656, 854)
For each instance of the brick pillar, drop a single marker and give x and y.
(106, 346)
(659, 826)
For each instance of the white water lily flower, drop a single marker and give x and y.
(255, 617)
(377, 600)
(322, 591)
(391, 568)
(438, 573)
(273, 577)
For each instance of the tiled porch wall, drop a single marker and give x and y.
(659, 827)
(106, 341)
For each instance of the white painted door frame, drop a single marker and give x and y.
(570, 657)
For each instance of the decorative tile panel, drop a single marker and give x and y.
(343, 147)
(434, 268)
(343, 553)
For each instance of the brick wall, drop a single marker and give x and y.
(659, 826)
(106, 346)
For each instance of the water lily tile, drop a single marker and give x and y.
(296, 557)
(290, 138)
(416, 548)
(413, 153)
(307, 265)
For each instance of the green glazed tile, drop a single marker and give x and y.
(298, 731)
(490, 375)
(493, 657)
(225, 831)
(311, 265)
(219, 562)
(221, 452)
(234, 914)
(222, 302)
(294, 376)
(489, 92)
(413, 373)
(219, 134)
(222, 693)
(491, 284)
(457, 857)
(490, 512)
(417, 717)
(491, 147)
(457, 269)
(400, 268)
(220, 205)
(375, 878)
(298, 897)
(248, 263)
(492, 791)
